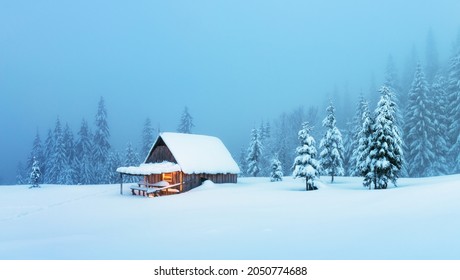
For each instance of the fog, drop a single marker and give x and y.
(233, 63)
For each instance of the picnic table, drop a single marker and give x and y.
(155, 189)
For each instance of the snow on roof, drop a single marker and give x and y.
(150, 168)
(200, 153)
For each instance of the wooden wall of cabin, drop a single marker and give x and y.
(194, 180)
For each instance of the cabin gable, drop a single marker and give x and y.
(160, 153)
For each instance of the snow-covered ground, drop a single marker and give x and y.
(254, 219)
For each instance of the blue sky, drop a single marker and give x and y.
(233, 63)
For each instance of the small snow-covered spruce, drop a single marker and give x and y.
(276, 173)
(186, 122)
(254, 157)
(101, 145)
(331, 156)
(35, 175)
(386, 153)
(305, 164)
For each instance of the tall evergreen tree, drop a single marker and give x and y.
(362, 153)
(48, 154)
(357, 126)
(386, 146)
(186, 122)
(114, 161)
(255, 152)
(243, 164)
(58, 157)
(453, 92)
(305, 164)
(83, 151)
(101, 143)
(419, 128)
(440, 139)
(331, 156)
(147, 138)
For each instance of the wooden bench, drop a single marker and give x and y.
(154, 189)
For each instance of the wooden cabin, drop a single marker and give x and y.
(179, 162)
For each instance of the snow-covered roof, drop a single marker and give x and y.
(150, 168)
(199, 153)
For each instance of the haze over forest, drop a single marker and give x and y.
(233, 64)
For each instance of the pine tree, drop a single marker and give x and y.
(83, 151)
(254, 156)
(114, 162)
(147, 138)
(453, 92)
(131, 159)
(276, 173)
(37, 153)
(58, 156)
(20, 177)
(362, 153)
(186, 122)
(419, 128)
(305, 164)
(48, 154)
(357, 126)
(441, 122)
(243, 164)
(101, 144)
(386, 146)
(331, 156)
(35, 175)
(70, 165)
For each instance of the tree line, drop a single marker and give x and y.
(420, 133)
(87, 158)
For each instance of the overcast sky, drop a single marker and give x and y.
(233, 63)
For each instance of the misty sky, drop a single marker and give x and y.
(233, 63)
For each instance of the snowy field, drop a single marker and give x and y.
(254, 219)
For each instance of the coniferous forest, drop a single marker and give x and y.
(408, 126)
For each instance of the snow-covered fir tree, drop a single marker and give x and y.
(35, 175)
(362, 152)
(147, 137)
(58, 156)
(48, 154)
(419, 128)
(242, 163)
(356, 128)
(101, 144)
(114, 161)
(255, 152)
(440, 122)
(20, 174)
(305, 164)
(70, 165)
(453, 92)
(386, 154)
(276, 172)
(37, 153)
(186, 122)
(331, 155)
(131, 159)
(83, 151)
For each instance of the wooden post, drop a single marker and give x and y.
(181, 188)
(121, 183)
